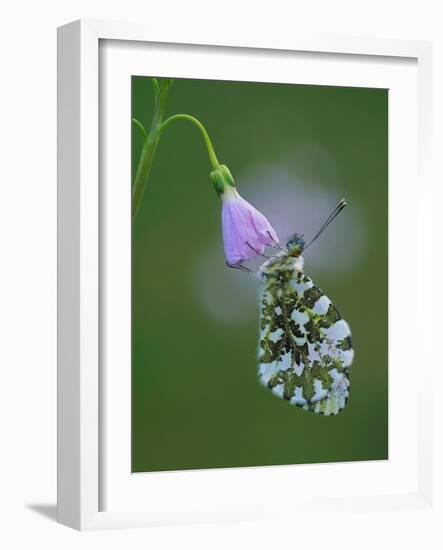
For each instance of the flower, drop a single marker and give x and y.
(246, 231)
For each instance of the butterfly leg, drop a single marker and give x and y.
(257, 251)
(276, 245)
(243, 268)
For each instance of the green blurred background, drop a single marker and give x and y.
(196, 398)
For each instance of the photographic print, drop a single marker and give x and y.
(259, 274)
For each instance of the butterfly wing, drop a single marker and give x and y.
(305, 348)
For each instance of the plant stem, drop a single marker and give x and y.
(150, 146)
(152, 138)
(212, 156)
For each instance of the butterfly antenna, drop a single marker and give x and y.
(329, 219)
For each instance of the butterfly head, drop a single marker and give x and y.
(290, 260)
(295, 245)
(286, 262)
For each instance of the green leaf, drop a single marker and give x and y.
(141, 128)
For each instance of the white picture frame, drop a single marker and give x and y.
(84, 443)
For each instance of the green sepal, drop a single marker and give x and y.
(227, 175)
(221, 177)
(217, 181)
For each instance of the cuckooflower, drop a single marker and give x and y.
(246, 231)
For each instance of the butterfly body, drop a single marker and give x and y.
(305, 347)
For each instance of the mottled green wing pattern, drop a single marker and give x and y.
(305, 347)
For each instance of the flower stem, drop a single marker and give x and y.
(212, 156)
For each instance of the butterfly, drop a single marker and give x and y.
(305, 347)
